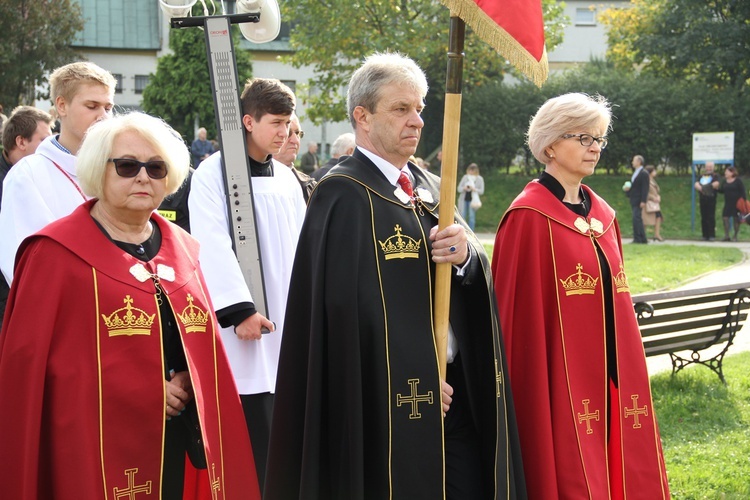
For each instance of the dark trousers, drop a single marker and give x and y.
(463, 467)
(708, 216)
(175, 439)
(258, 410)
(639, 232)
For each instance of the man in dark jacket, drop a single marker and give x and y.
(638, 193)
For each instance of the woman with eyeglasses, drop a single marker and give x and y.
(111, 370)
(575, 358)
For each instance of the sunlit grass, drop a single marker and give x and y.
(705, 430)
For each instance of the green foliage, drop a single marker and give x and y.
(691, 39)
(181, 88)
(652, 116)
(705, 429)
(36, 39)
(334, 36)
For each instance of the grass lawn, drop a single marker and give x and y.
(705, 430)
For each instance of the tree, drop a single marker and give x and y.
(333, 36)
(36, 38)
(689, 39)
(180, 89)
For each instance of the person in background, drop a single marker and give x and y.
(470, 188)
(267, 108)
(637, 192)
(109, 355)
(201, 148)
(707, 186)
(575, 355)
(43, 187)
(309, 162)
(734, 190)
(288, 154)
(26, 128)
(651, 213)
(342, 148)
(360, 408)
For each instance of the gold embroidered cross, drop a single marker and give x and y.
(414, 399)
(635, 411)
(498, 379)
(132, 490)
(215, 483)
(587, 417)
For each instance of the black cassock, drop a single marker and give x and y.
(358, 412)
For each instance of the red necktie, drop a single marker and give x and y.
(405, 183)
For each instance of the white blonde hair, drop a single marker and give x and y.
(96, 149)
(565, 114)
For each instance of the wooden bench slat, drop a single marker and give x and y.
(689, 301)
(720, 311)
(664, 328)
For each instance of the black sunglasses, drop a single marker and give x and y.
(128, 167)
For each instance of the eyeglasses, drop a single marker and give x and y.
(128, 167)
(587, 139)
(299, 133)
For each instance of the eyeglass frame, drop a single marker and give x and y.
(141, 164)
(602, 141)
(299, 133)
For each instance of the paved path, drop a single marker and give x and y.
(738, 273)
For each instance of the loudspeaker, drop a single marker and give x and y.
(176, 8)
(267, 29)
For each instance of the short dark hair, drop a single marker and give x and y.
(23, 121)
(267, 96)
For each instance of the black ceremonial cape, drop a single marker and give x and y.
(357, 412)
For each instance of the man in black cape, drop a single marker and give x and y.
(358, 410)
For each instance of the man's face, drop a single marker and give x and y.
(42, 131)
(290, 149)
(267, 135)
(392, 131)
(92, 102)
(635, 162)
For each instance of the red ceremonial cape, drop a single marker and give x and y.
(82, 370)
(552, 312)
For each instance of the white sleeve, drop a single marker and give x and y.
(209, 225)
(23, 212)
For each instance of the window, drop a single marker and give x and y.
(118, 87)
(140, 83)
(585, 16)
(292, 84)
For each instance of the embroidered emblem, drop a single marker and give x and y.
(595, 225)
(621, 281)
(587, 417)
(424, 195)
(635, 411)
(140, 272)
(581, 225)
(128, 320)
(215, 482)
(402, 196)
(132, 490)
(193, 318)
(414, 399)
(498, 379)
(579, 283)
(400, 246)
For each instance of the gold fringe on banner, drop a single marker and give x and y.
(492, 33)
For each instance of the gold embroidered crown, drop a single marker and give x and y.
(579, 283)
(400, 246)
(128, 320)
(193, 317)
(621, 281)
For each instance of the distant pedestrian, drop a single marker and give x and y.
(734, 190)
(651, 213)
(707, 186)
(470, 189)
(637, 191)
(201, 148)
(342, 148)
(309, 162)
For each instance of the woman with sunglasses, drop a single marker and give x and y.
(575, 358)
(109, 356)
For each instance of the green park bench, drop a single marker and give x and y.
(685, 323)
